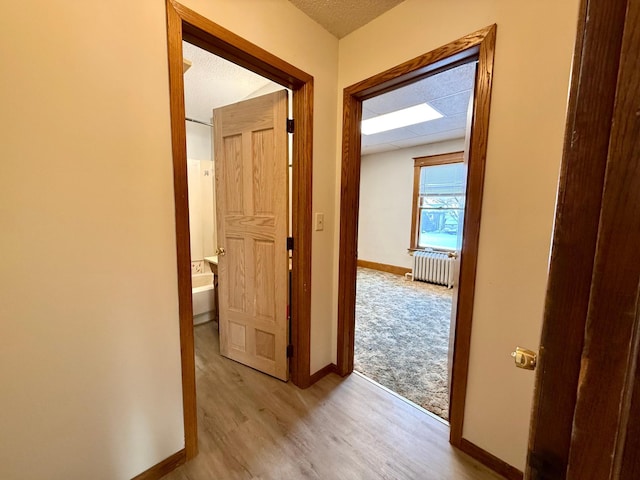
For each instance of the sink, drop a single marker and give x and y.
(213, 262)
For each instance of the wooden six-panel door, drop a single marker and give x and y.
(251, 162)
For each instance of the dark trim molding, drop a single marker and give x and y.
(383, 267)
(167, 465)
(185, 307)
(185, 24)
(491, 461)
(441, 159)
(589, 118)
(323, 372)
(478, 45)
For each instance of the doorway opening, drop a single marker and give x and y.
(410, 234)
(475, 49)
(238, 166)
(184, 24)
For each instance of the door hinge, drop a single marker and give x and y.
(289, 351)
(289, 243)
(290, 125)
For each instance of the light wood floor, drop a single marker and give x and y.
(252, 426)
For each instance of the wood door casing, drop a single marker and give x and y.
(185, 24)
(585, 421)
(250, 141)
(480, 45)
(460, 240)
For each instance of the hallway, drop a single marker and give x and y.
(253, 426)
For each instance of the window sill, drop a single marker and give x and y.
(452, 252)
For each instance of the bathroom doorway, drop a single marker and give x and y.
(184, 24)
(239, 198)
(239, 207)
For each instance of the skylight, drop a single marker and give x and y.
(400, 118)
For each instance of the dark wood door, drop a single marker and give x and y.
(586, 418)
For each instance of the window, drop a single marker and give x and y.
(438, 201)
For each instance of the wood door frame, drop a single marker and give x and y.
(480, 45)
(559, 378)
(185, 24)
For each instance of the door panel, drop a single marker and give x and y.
(265, 284)
(233, 194)
(251, 162)
(235, 273)
(263, 172)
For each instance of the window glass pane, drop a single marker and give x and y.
(442, 179)
(441, 204)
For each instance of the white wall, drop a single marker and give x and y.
(89, 350)
(89, 354)
(267, 89)
(200, 181)
(386, 201)
(199, 141)
(531, 80)
(89, 342)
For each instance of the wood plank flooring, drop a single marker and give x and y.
(252, 426)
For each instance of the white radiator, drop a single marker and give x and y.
(433, 267)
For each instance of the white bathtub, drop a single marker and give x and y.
(203, 297)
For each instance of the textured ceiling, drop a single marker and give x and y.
(448, 92)
(341, 17)
(212, 82)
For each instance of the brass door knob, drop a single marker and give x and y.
(220, 251)
(524, 358)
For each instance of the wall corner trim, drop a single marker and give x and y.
(491, 461)
(162, 468)
(323, 372)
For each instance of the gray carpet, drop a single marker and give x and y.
(402, 337)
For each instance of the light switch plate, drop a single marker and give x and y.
(319, 221)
